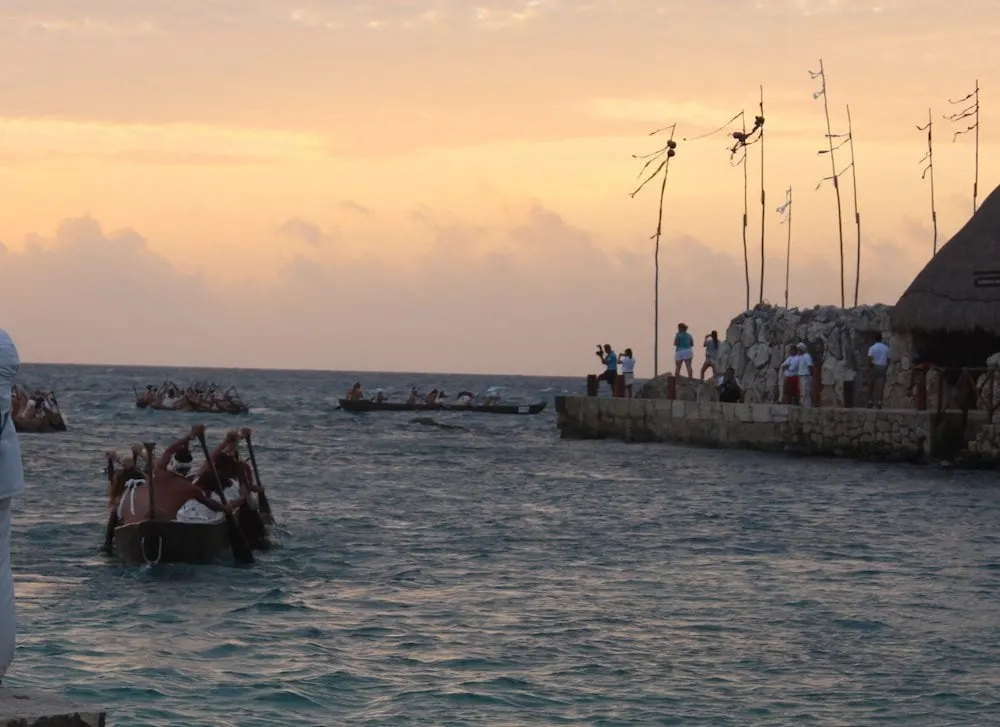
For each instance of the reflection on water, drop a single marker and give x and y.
(500, 576)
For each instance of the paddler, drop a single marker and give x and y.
(355, 392)
(172, 491)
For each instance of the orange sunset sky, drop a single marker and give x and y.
(442, 185)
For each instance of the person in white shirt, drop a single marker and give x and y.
(805, 376)
(790, 377)
(628, 370)
(11, 484)
(878, 355)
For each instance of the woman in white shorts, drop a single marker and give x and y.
(684, 350)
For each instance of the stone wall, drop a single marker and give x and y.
(861, 433)
(758, 340)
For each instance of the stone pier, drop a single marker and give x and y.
(880, 434)
(19, 708)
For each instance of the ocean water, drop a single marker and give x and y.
(495, 575)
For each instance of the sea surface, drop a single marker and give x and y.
(495, 575)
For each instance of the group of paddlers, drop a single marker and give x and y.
(222, 484)
(199, 397)
(435, 397)
(35, 411)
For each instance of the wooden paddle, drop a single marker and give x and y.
(250, 519)
(149, 447)
(265, 506)
(109, 529)
(237, 539)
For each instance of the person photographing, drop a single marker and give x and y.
(610, 360)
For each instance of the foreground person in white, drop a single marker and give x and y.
(11, 482)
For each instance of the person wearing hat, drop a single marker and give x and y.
(11, 484)
(805, 376)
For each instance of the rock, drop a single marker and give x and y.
(993, 362)
(19, 708)
(757, 341)
(429, 422)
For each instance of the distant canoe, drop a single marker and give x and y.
(52, 421)
(188, 406)
(362, 405)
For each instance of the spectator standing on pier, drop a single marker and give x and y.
(684, 350)
(11, 483)
(805, 376)
(610, 360)
(878, 355)
(628, 370)
(790, 377)
(711, 353)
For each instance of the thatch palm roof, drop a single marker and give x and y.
(959, 289)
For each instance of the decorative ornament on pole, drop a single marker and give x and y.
(928, 162)
(971, 111)
(785, 211)
(661, 158)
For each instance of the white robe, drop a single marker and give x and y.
(11, 483)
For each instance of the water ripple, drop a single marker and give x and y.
(500, 576)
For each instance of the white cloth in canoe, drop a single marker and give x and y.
(193, 511)
(7, 634)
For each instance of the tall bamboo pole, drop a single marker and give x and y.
(929, 169)
(833, 166)
(763, 203)
(857, 215)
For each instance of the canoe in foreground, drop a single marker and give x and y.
(173, 541)
(170, 541)
(358, 405)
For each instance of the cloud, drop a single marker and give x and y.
(307, 232)
(531, 293)
(352, 206)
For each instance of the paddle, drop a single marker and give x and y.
(250, 519)
(149, 447)
(265, 506)
(237, 540)
(109, 529)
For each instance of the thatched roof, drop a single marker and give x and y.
(959, 289)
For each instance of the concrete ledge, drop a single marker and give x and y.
(883, 434)
(19, 708)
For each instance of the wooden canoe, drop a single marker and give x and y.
(52, 422)
(364, 405)
(170, 541)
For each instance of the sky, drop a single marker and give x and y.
(439, 185)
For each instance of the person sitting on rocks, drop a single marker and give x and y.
(730, 391)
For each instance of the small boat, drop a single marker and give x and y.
(203, 399)
(194, 540)
(362, 405)
(50, 421)
(35, 413)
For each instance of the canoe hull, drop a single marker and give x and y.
(160, 541)
(192, 409)
(362, 405)
(51, 422)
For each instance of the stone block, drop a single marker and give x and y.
(742, 412)
(679, 409)
(20, 708)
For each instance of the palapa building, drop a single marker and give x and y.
(950, 314)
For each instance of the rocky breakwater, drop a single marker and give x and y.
(757, 342)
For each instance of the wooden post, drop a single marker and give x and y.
(620, 386)
(671, 387)
(592, 385)
(150, 446)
